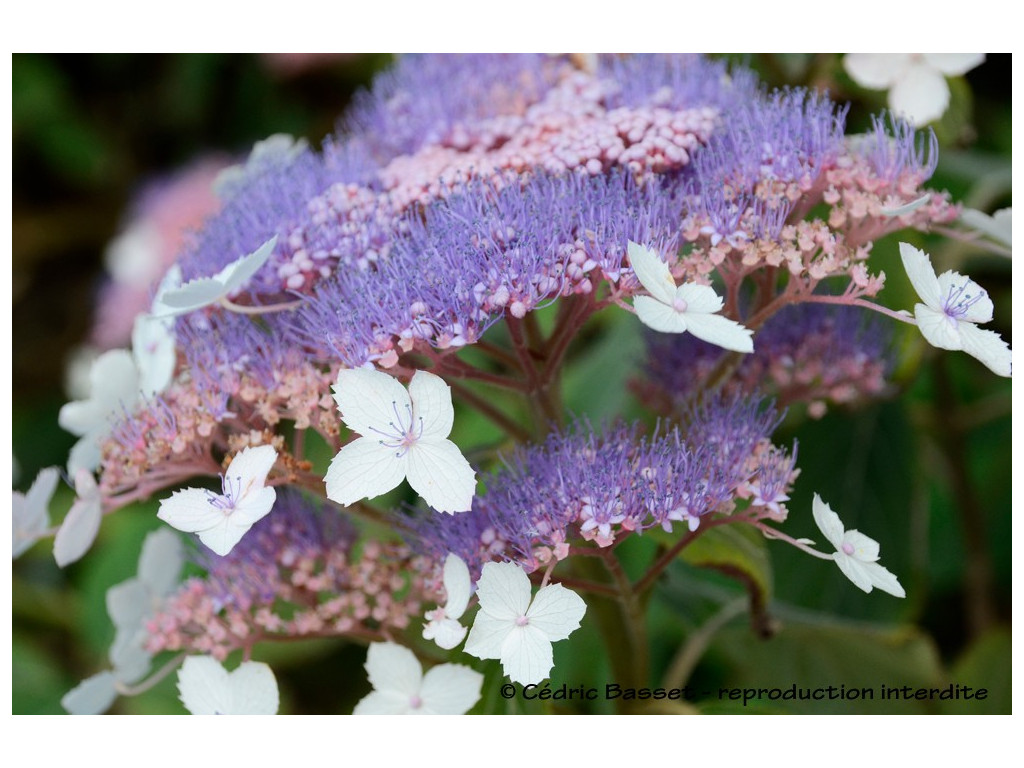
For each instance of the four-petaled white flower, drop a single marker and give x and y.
(221, 520)
(443, 625)
(401, 688)
(510, 628)
(31, 511)
(204, 291)
(404, 436)
(687, 307)
(953, 306)
(916, 82)
(206, 688)
(113, 393)
(856, 554)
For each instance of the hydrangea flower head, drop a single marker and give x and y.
(953, 307)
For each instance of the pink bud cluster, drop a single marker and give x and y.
(317, 591)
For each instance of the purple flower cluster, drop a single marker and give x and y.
(812, 353)
(588, 485)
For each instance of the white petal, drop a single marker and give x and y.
(854, 570)
(938, 328)
(392, 667)
(447, 633)
(193, 295)
(864, 547)
(921, 94)
(130, 660)
(451, 689)
(250, 468)
(661, 317)
(457, 585)
(203, 686)
(81, 416)
(153, 346)
(953, 64)
(85, 454)
(954, 285)
(828, 522)
(526, 656)
(439, 473)
(922, 276)
(253, 689)
(237, 273)
(383, 703)
(78, 531)
(431, 402)
(986, 346)
(556, 611)
(884, 580)
(369, 400)
(30, 512)
(998, 226)
(504, 591)
(92, 696)
(487, 636)
(363, 469)
(875, 70)
(230, 529)
(653, 273)
(910, 207)
(721, 331)
(128, 603)
(699, 298)
(169, 282)
(190, 510)
(160, 562)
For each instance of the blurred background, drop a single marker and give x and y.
(102, 140)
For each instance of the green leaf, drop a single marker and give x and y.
(740, 552)
(985, 664)
(866, 667)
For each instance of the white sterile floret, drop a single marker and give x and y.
(206, 688)
(916, 82)
(520, 633)
(204, 291)
(113, 393)
(687, 307)
(856, 554)
(78, 531)
(443, 625)
(401, 688)
(953, 306)
(998, 226)
(404, 435)
(221, 520)
(130, 605)
(30, 512)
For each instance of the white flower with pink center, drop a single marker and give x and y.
(856, 554)
(443, 625)
(206, 688)
(687, 307)
(401, 688)
(404, 435)
(517, 631)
